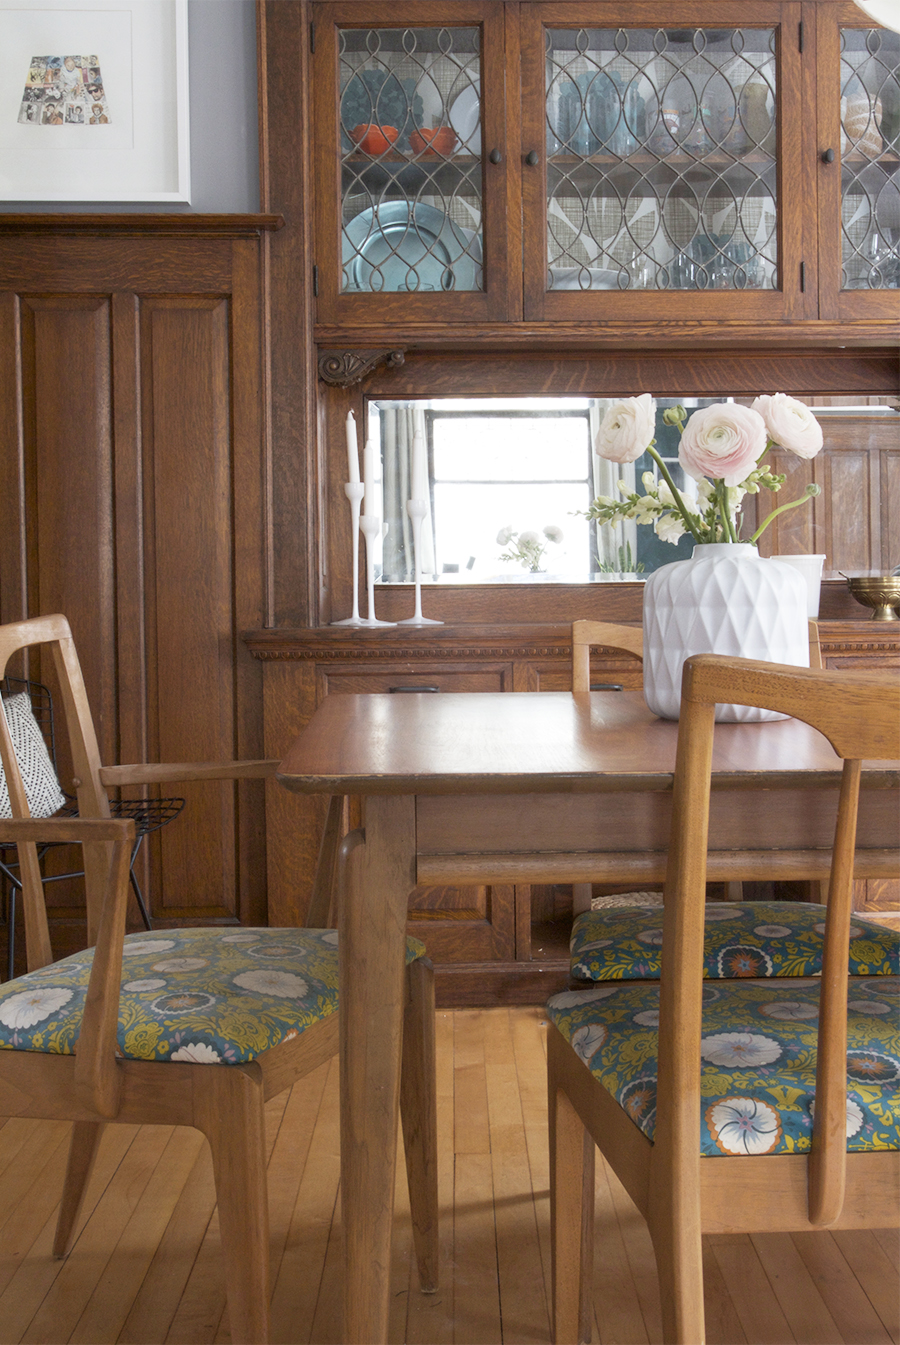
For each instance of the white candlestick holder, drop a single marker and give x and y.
(417, 509)
(354, 490)
(370, 526)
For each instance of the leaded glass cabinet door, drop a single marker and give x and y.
(661, 162)
(411, 162)
(859, 165)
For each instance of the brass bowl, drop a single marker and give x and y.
(880, 592)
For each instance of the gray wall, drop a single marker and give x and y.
(224, 142)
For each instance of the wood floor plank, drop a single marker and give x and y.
(299, 1273)
(847, 1301)
(471, 1134)
(109, 1305)
(157, 1300)
(71, 1290)
(477, 1315)
(796, 1291)
(888, 1240)
(26, 1218)
(617, 1309)
(200, 1309)
(37, 1270)
(639, 1249)
(38, 1147)
(761, 1316)
(872, 1268)
(526, 1311)
(723, 1325)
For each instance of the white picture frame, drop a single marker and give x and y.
(72, 130)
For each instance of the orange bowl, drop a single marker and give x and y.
(374, 139)
(439, 140)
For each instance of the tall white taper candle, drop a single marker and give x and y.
(352, 449)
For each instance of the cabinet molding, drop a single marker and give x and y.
(344, 369)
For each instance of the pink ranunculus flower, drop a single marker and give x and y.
(627, 429)
(790, 424)
(723, 441)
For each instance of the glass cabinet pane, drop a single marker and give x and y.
(411, 164)
(870, 158)
(661, 154)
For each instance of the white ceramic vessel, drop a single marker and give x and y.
(727, 599)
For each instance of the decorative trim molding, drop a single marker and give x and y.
(344, 368)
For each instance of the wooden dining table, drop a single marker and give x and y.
(532, 787)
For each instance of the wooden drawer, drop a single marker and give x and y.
(362, 681)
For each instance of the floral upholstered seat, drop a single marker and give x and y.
(754, 938)
(758, 1053)
(207, 995)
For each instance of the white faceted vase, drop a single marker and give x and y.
(727, 599)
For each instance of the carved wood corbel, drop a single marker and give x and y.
(344, 368)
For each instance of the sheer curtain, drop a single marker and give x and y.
(399, 424)
(606, 478)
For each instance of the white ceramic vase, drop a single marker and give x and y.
(727, 599)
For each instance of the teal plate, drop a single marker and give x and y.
(400, 247)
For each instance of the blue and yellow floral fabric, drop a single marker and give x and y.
(752, 938)
(758, 1059)
(210, 996)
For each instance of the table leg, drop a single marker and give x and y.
(372, 956)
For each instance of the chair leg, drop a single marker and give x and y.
(135, 885)
(418, 1114)
(83, 1147)
(581, 897)
(571, 1218)
(679, 1262)
(228, 1108)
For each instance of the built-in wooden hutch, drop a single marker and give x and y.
(175, 390)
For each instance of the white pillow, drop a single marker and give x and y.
(38, 776)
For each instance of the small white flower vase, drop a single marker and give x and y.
(727, 599)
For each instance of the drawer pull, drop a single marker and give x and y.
(607, 686)
(413, 688)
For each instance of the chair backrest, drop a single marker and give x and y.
(630, 640)
(859, 714)
(54, 632)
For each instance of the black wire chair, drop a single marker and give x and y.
(147, 814)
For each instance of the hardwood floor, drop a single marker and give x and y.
(146, 1265)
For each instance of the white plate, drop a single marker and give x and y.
(465, 118)
(398, 244)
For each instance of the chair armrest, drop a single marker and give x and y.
(74, 830)
(152, 773)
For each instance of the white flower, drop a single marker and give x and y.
(855, 1116)
(32, 1006)
(790, 1010)
(790, 424)
(627, 429)
(553, 533)
(705, 491)
(331, 937)
(505, 534)
(648, 481)
(647, 1018)
(723, 441)
(239, 938)
(282, 984)
(722, 913)
(868, 1006)
(135, 987)
(739, 1048)
(771, 931)
(652, 936)
(586, 1041)
(644, 510)
(570, 999)
(140, 947)
(197, 1053)
(181, 964)
(529, 538)
(744, 1125)
(669, 527)
(665, 494)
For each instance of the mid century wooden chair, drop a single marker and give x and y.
(203, 1026)
(673, 1079)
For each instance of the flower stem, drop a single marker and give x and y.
(724, 512)
(811, 491)
(676, 494)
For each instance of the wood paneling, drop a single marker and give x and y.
(134, 470)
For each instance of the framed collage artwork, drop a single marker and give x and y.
(94, 101)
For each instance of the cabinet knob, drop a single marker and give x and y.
(532, 159)
(828, 156)
(495, 156)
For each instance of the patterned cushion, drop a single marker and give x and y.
(743, 938)
(211, 996)
(38, 776)
(758, 1049)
